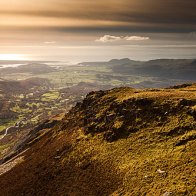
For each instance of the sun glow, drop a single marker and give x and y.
(11, 57)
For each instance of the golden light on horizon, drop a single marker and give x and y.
(12, 57)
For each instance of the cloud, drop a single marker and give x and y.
(114, 15)
(108, 38)
(50, 42)
(111, 38)
(192, 35)
(136, 38)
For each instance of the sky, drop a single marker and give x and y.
(87, 30)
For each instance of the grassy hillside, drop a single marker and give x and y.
(122, 141)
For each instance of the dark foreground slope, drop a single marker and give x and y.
(118, 142)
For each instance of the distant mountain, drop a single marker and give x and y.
(122, 141)
(111, 62)
(183, 69)
(121, 61)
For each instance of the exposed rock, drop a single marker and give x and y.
(167, 193)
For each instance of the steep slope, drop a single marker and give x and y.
(122, 141)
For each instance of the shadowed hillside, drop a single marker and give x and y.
(122, 141)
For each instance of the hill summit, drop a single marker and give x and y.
(122, 141)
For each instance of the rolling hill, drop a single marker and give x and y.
(183, 69)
